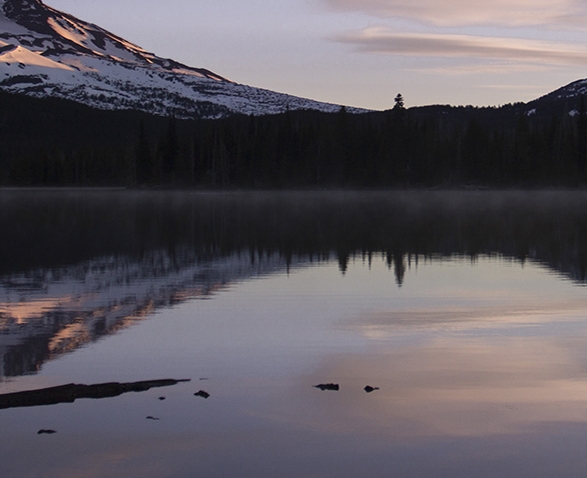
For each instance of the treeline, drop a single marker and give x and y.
(52, 142)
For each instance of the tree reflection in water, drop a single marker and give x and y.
(78, 265)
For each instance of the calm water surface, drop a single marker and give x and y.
(468, 310)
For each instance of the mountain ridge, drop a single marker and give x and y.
(46, 52)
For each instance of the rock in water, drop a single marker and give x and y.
(202, 394)
(328, 386)
(370, 389)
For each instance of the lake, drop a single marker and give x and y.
(464, 311)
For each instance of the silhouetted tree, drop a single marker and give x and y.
(170, 149)
(582, 138)
(143, 157)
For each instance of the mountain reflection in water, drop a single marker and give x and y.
(77, 266)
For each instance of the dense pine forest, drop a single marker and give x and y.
(49, 142)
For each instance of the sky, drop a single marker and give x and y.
(364, 52)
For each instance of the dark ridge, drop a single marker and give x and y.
(21, 79)
(7, 48)
(31, 14)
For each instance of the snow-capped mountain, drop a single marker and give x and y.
(48, 53)
(566, 99)
(570, 91)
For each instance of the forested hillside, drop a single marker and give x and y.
(49, 142)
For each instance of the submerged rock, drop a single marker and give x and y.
(152, 418)
(46, 432)
(202, 394)
(370, 389)
(328, 386)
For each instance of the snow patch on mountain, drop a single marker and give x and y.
(45, 52)
(22, 57)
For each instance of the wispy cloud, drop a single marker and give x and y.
(511, 87)
(385, 41)
(473, 12)
(484, 67)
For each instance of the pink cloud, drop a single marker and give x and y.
(472, 12)
(384, 41)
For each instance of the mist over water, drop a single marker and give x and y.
(52, 229)
(465, 309)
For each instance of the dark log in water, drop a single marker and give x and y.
(71, 392)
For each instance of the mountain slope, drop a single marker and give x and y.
(45, 52)
(562, 101)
